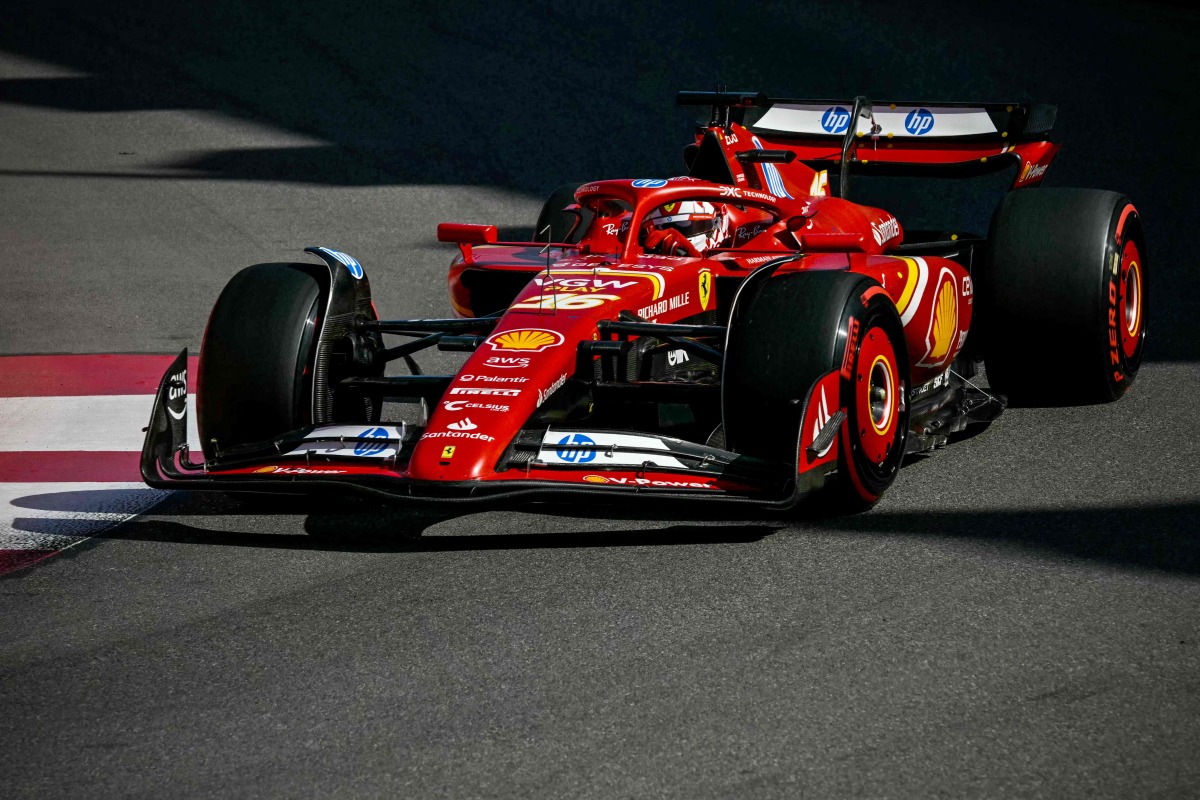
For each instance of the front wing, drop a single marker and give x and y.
(337, 460)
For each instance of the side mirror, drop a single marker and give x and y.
(466, 235)
(462, 233)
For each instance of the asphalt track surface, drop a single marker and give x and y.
(1020, 615)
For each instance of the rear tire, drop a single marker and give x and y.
(256, 359)
(785, 334)
(1061, 297)
(561, 223)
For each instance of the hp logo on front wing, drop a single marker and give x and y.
(568, 452)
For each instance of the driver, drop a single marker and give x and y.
(674, 226)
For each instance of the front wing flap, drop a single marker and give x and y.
(595, 465)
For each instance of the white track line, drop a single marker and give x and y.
(97, 423)
(55, 516)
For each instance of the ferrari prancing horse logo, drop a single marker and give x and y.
(705, 289)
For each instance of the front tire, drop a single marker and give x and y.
(786, 333)
(1061, 297)
(256, 360)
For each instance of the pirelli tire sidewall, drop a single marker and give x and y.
(1123, 297)
(1061, 297)
(873, 352)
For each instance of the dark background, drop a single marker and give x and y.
(525, 97)
(1019, 616)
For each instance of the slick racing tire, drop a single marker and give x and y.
(788, 331)
(561, 222)
(256, 357)
(1061, 297)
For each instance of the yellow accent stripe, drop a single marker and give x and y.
(909, 285)
(653, 277)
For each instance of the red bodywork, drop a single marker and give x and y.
(777, 212)
(577, 288)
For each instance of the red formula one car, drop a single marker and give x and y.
(738, 333)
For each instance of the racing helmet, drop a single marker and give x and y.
(701, 223)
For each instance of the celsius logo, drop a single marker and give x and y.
(835, 120)
(379, 443)
(568, 449)
(919, 121)
(649, 183)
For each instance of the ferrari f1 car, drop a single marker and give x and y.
(739, 333)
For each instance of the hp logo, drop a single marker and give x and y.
(919, 122)
(835, 120)
(568, 452)
(371, 448)
(649, 183)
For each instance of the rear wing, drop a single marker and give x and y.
(861, 136)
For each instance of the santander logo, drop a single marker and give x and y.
(464, 424)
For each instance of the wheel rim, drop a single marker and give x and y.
(876, 392)
(1130, 299)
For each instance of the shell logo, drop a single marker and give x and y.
(261, 470)
(943, 327)
(529, 340)
(595, 479)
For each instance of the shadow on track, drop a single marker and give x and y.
(1161, 537)
(355, 525)
(371, 537)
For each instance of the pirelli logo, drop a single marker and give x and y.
(851, 345)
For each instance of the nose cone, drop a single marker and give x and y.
(533, 351)
(499, 387)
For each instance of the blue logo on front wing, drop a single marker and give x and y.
(349, 261)
(649, 183)
(919, 121)
(835, 119)
(372, 447)
(568, 451)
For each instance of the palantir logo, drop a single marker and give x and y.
(372, 447)
(919, 121)
(835, 119)
(568, 449)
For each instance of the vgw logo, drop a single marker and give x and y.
(835, 119)
(372, 447)
(568, 451)
(919, 122)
